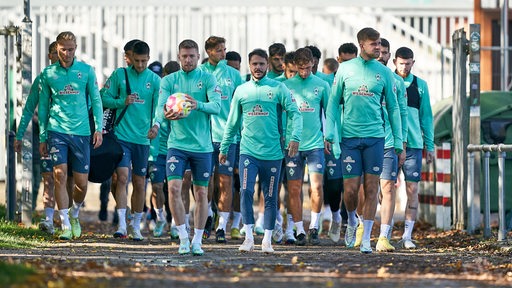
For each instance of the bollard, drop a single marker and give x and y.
(487, 196)
(471, 193)
(11, 179)
(502, 232)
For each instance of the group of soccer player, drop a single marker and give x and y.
(352, 127)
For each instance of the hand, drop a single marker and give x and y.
(293, 148)
(327, 147)
(17, 145)
(222, 158)
(43, 149)
(97, 139)
(192, 102)
(401, 158)
(129, 99)
(171, 115)
(153, 132)
(430, 157)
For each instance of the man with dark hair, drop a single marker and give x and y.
(317, 54)
(156, 67)
(276, 53)
(420, 136)
(347, 51)
(228, 78)
(189, 140)
(234, 59)
(66, 88)
(289, 67)
(133, 91)
(361, 85)
(311, 95)
(257, 110)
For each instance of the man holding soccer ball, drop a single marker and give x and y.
(189, 140)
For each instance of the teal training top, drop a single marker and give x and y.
(401, 94)
(228, 78)
(192, 133)
(258, 107)
(139, 115)
(158, 145)
(363, 85)
(420, 121)
(271, 74)
(64, 93)
(29, 108)
(311, 95)
(329, 78)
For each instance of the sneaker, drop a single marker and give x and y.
(277, 234)
(120, 233)
(143, 221)
(75, 227)
(334, 231)
(301, 239)
(313, 236)
(383, 245)
(220, 236)
(365, 247)
(208, 227)
(247, 246)
(174, 233)
(266, 247)
(66, 235)
(259, 230)
(350, 236)
(159, 228)
(135, 234)
(407, 244)
(184, 247)
(152, 225)
(196, 249)
(359, 235)
(290, 238)
(235, 233)
(242, 231)
(46, 226)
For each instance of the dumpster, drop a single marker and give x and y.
(496, 127)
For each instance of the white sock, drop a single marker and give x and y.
(368, 225)
(259, 221)
(160, 214)
(384, 230)
(210, 211)
(182, 232)
(360, 219)
(289, 223)
(64, 218)
(137, 217)
(267, 237)
(122, 218)
(223, 221)
(409, 225)
(248, 231)
(48, 212)
(300, 227)
(314, 220)
(336, 216)
(198, 236)
(279, 218)
(75, 209)
(237, 216)
(352, 218)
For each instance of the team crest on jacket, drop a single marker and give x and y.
(79, 75)
(228, 82)
(200, 84)
(257, 110)
(270, 94)
(148, 85)
(316, 91)
(378, 77)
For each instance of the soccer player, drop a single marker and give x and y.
(67, 86)
(257, 107)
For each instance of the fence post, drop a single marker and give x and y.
(443, 187)
(502, 233)
(471, 192)
(487, 197)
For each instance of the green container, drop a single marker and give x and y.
(496, 127)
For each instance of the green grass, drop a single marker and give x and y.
(14, 273)
(14, 236)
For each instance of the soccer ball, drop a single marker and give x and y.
(177, 103)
